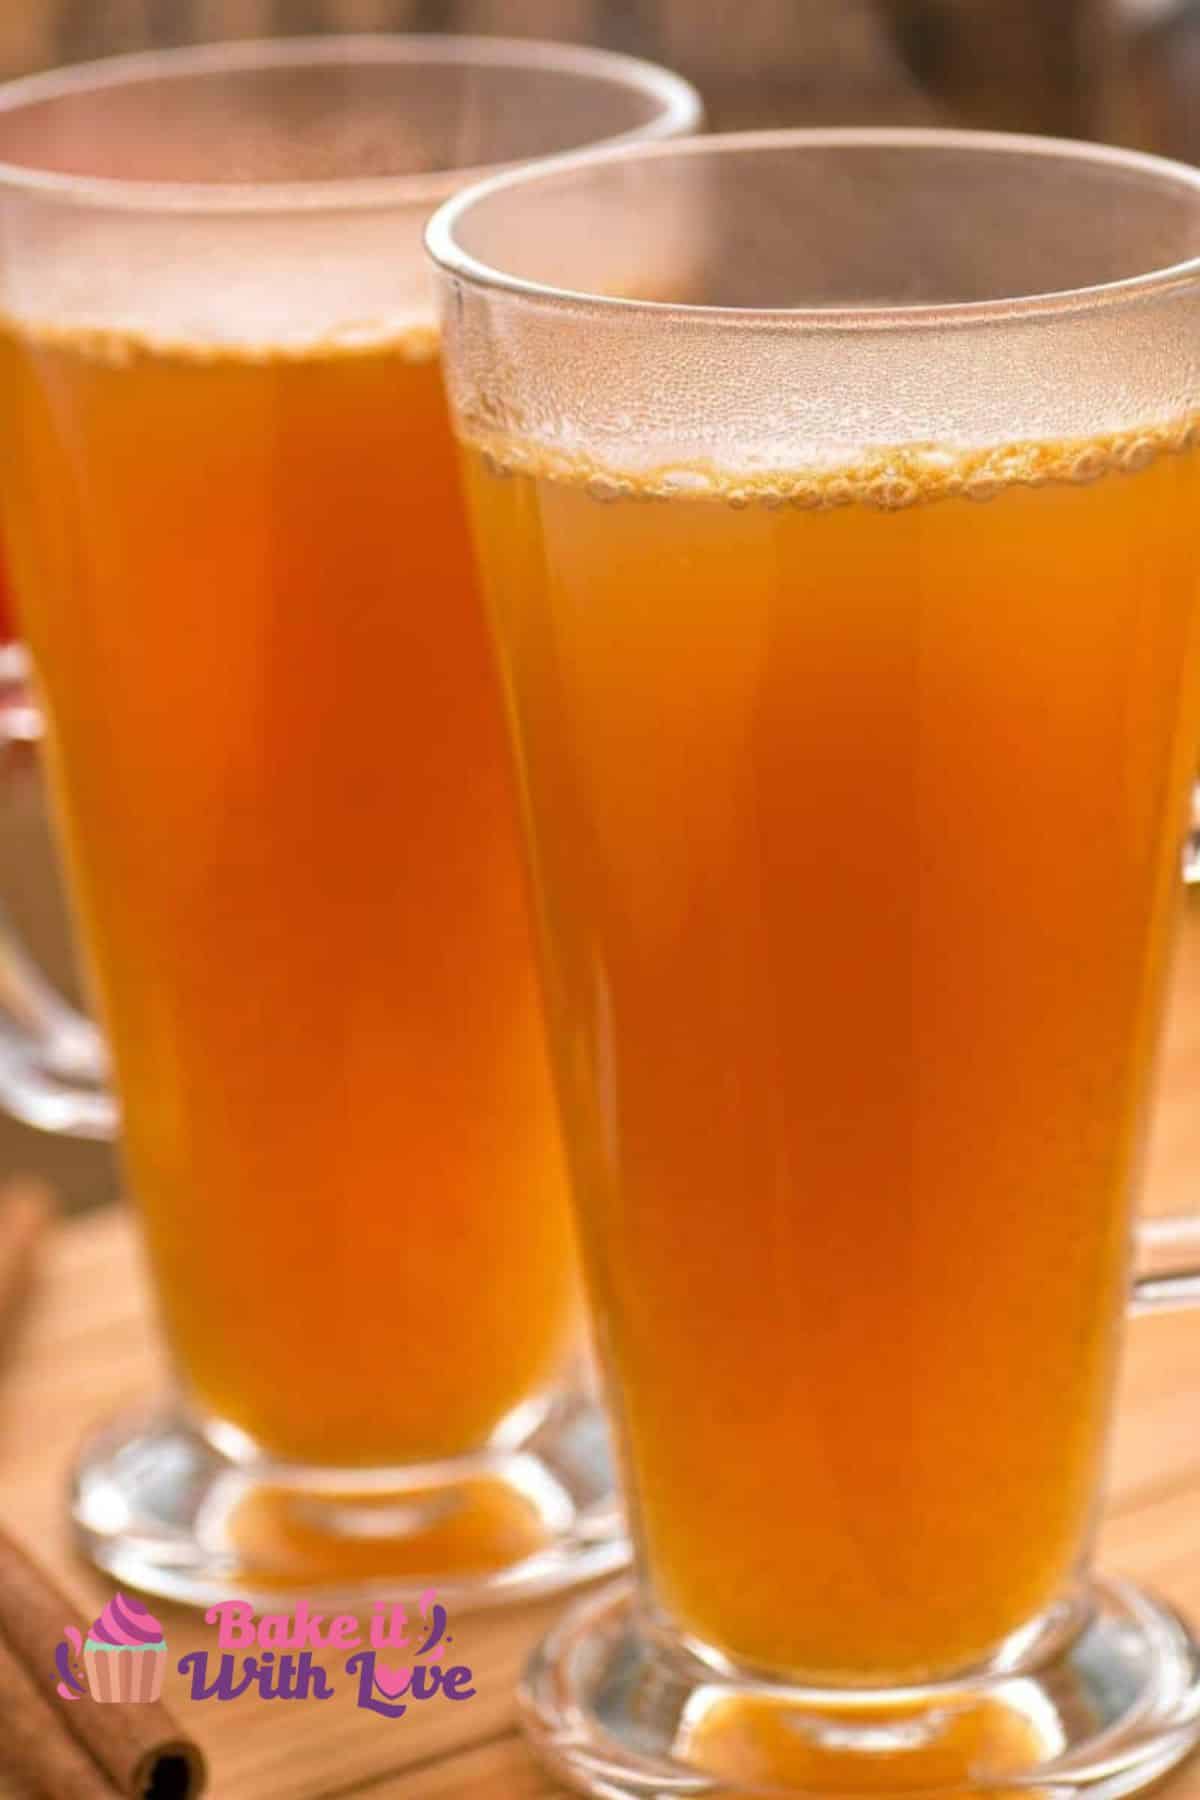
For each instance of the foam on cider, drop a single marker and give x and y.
(886, 479)
(411, 340)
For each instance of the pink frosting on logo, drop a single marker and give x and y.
(125, 1622)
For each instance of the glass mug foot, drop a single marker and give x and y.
(1105, 1707)
(193, 1514)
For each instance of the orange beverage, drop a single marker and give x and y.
(277, 748)
(848, 794)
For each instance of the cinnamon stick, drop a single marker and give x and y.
(37, 1747)
(139, 1747)
(26, 1208)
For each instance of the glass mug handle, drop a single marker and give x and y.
(19, 721)
(1163, 1279)
(52, 1061)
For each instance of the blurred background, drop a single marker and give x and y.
(1127, 71)
(1121, 69)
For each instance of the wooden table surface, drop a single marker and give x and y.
(85, 1346)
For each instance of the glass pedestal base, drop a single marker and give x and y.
(163, 1505)
(1106, 1709)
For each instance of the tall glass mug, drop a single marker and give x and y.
(840, 534)
(278, 758)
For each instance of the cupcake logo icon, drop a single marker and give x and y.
(122, 1657)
